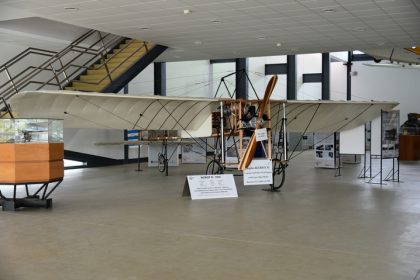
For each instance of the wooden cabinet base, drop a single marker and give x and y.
(25, 163)
(409, 147)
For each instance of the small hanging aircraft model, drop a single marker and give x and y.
(199, 118)
(402, 58)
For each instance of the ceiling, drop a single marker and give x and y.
(39, 33)
(243, 28)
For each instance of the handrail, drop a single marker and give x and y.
(60, 63)
(95, 53)
(24, 53)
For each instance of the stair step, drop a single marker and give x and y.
(112, 67)
(132, 47)
(102, 71)
(133, 41)
(123, 55)
(97, 77)
(77, 85)
(127, 50)
(132, 44)
(121, 59)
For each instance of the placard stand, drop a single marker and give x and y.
(210, 186)
(388, 142)
(337, 156)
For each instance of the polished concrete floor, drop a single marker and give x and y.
(115, 223)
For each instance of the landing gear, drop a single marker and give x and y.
(279, 175)
(162, 163)
(214, 167)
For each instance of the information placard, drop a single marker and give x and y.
(261, 134)
(259, 172)
(210, 186)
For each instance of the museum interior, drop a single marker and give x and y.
(192, 139)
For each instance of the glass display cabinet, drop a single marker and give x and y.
(31, 131)
(31, 153)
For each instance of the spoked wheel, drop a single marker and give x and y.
(279, 175)
(214, 167)
(161, 162)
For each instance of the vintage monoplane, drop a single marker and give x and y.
(199, 118)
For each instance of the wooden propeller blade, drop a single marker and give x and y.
(252, 145)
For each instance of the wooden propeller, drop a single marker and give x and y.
(252, 145)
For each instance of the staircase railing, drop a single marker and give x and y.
(110, 72)
(35, 69)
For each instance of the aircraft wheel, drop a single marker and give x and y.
(214, 167)
(279, 176)
(161, 162)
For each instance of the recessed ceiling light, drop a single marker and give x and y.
(215, 21)
(197, 42)
(278, 44)
(71, 9)
(187, 12)
(328, 10)
(261, 37)
(144, 28)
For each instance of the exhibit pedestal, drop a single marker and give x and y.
(409, 147)
(30, 164)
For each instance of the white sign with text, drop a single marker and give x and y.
(261, 134)
(210, 186)
(259, 172)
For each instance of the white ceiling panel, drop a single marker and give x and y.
(299, 25)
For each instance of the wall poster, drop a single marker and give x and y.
(324, 150)
(390, 133)
(193, 153)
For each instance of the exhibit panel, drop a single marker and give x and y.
(324, 150)
(352, 141)
(193, 153)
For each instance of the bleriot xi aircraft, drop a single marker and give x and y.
(196, 118)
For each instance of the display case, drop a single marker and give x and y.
(31, 131)
(31, 150)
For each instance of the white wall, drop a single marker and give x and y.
(306, 64)
(256, 67)
(388, 84)
(217, 71)
(189, 78)
(83, 141)
(338, 78)
(143, 84)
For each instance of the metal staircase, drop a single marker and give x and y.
(96, 61)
